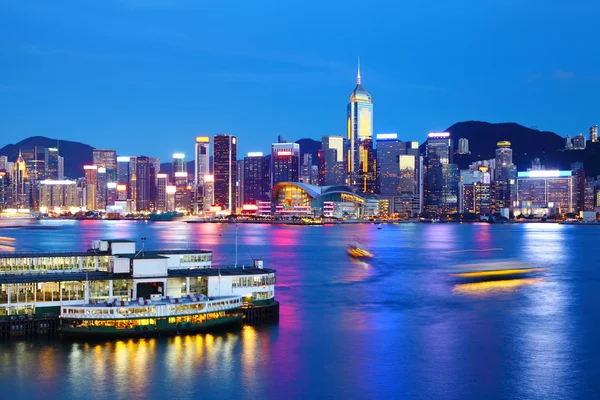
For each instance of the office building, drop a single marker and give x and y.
(545, 192)
(285, 163)
(108, 160)
(52, 160)
(61, 168)
(579, 142)
(332, 171)
(256, 178)
(101, 188)
(5, 189)
(4, 163)
(463, 146)
(91, 185)
(162, 181)
(143, 183)
(239, 185)
(504, 177)
(201, 168)
(20, 184)
(225, 170)
(58, 195)
(360, 136)
(306, 168)
(441, 189)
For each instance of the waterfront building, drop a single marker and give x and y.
(36, 165)
(545, 192)
(589, 195)
(58, 195)
(201, 169)
(504, 177)
(361, 171)
(91, 184)
(123, 178)
(61, 168)
(306, 169)
(330, 173)
(52, 160)
(293, 199)
(162, 181)
(594, 134)
(337, 172)
(38, 284)
(5, 189)
(101, 188)
(256, 178)
(285, 163)
(463, 146)
(133, 179)
(579, 142)
(441, 189)
(225, 171)
(108, 160)
(209, 192)
(579, 185)
(143, 183)
(239, 185)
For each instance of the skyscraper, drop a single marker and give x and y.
(442, 175)
(52, 161)
(285, 163)
(336, 169)
(225, 170)
(306, 168)
(61, 168)
(594, 134)
(505, 174)
(463, 146)
(20, 183)
(201, 168)
(143, 181)
(108, 160)
(361, 172)
(161, 191)
(91, 184)
(256, 178)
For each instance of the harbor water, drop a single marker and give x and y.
(398, 326)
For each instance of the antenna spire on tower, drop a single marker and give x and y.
(358, 75)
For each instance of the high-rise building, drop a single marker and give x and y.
(91, 185)
(579, 142)
(594, 134)
(60, 194)
(52, 160)
(5, 189)
(361, 172)
(545, 192)
(285, 163)
(441, 192)
(225, 170)
(133, 179)
(504, 179)
(161, 191)
(209, 192)
(327, 168)
(108, 160)
(179, 164)
(578, 185)
(256, 178)
(101, 189)
(306, 168)
(143, 182)
(201, 169)
(20, 184)
(334, 169)
(61, 168)
(463, 146)
(239, 184)
(568, 142)
(4, 163)
(389, 149)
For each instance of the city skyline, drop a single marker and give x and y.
(130, 80)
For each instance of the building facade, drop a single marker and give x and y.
(225, 171)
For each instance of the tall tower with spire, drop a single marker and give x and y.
(21, 195)
(361, 168)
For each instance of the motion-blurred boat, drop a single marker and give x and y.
(498, 269)
(9, 240)
(357, 251)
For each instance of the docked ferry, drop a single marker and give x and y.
(115, 289)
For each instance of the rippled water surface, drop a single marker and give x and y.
(397, 327)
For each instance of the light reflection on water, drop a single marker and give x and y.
(395, 327)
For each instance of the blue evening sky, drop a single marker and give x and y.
(147, 76)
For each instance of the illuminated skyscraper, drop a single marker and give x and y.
(256, 178)
(52, 161)
(333, 171)
(505, 177)
(161, 192)
(101, 188)
(91, 184)
(441, 193)
(201, 169)
(285, 163)
(143, 183)
(361, 171)
(225, 170)
(20, 183)
(123, 177)
(594, 133)
(108, 160)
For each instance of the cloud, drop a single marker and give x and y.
(563, 75)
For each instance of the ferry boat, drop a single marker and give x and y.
(165, 216)
(496, 269)
(357, 251)
(113, 288)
